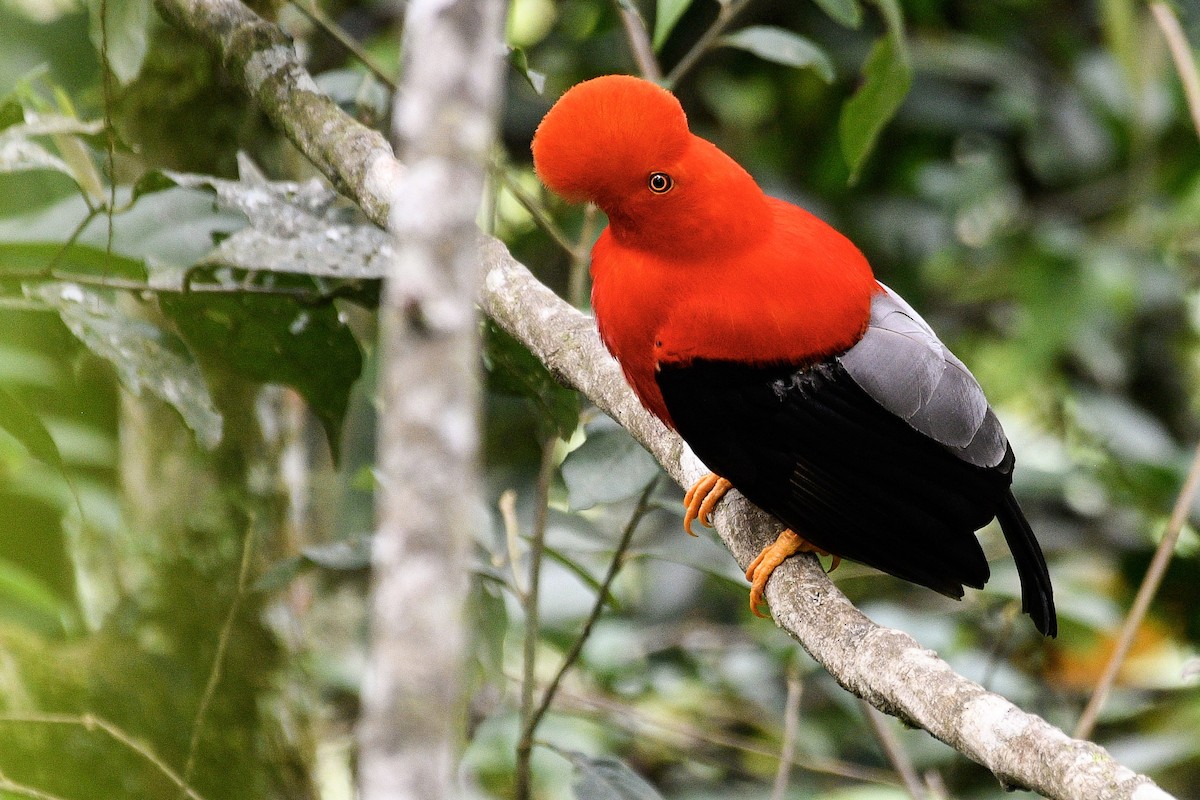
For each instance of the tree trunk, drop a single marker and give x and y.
(413, 708)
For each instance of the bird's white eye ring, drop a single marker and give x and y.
(660, 182)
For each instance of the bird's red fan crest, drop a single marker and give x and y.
(605, 135)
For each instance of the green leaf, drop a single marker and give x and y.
(152, 181)
(580, 572)
(18, 154)
(520, 61)
(512, 369)
(271, 339)
(128, 24)
(33, 258)
(782, 47)
(608, 467)
(298, 228)
(606, 778)
(167, 232)
(887, 78)
(844, 12)
(281, 573)
(347, 555)
(29, 599)
(26, 427)
(11, 112)
(666, 15)
(145, 356)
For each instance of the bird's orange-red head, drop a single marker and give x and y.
(624, 144)
(604, 136)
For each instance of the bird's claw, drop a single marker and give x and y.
(701, 499)
(759, 572)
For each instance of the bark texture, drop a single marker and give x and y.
(886, 667)
(413, 704)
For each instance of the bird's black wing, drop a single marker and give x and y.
(899, 481)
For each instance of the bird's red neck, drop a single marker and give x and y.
(797, 292)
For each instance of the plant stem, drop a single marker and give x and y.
(322, 21)
(70, 242)
(214, 677)
(1181, 53)
(639, 41)
(537, 546)
(1141, 603)
(577, 277)
(725, 15)
(90, 722)
(618, 560)
(537, 211)
(894, 751)
(791, 725)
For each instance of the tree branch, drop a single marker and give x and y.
(887, 668)
(356, 160)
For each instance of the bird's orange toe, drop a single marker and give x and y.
(701, 499)
(759, 572)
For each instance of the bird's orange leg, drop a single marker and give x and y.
(760, 569)
(702, 498)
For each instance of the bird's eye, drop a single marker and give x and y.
(660, 182)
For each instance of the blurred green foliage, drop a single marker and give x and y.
(1036, 195)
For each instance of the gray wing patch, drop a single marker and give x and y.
(902, 364)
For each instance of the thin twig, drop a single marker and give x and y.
(20, 789)
(322, 21)
(894, 751)
(537, 547)
(90, 722)
(639, 41)
(637, 721)
(537, 211)
(109, 136)
(1181, 53)
(618, 560)
(725, 15)
(577, 276)
(61, 252)
(512, 536)
(214, 677)
(791, 726)
(1141, 603)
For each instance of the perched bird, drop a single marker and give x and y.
(760, 334)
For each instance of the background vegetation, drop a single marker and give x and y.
(185, 477)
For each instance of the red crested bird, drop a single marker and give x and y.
(760, 335)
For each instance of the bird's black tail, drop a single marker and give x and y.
(1037, 595)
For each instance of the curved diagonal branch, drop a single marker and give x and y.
(887, 668)
(357, 160)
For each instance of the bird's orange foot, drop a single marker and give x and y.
(702, 498)
(760, 569)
